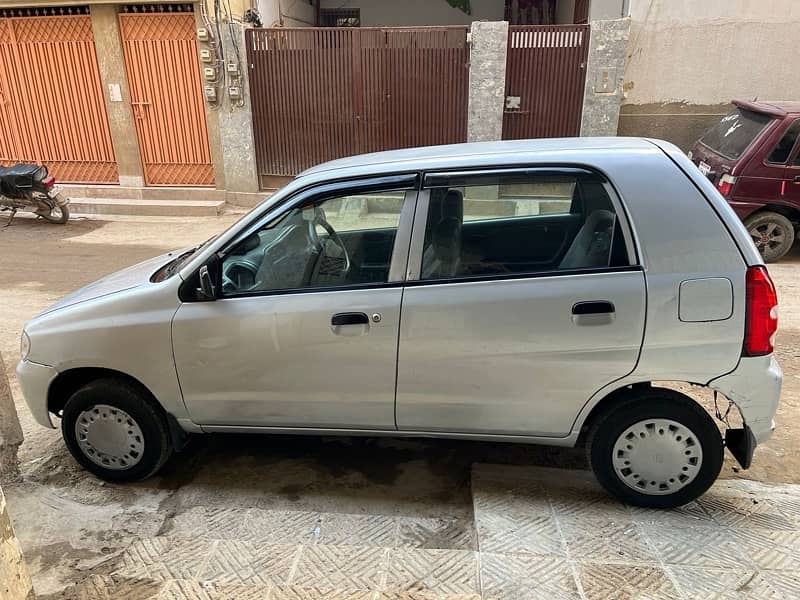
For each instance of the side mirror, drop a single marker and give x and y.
(206, 290)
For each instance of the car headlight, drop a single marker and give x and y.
(24, 346)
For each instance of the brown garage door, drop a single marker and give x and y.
(51, 100)
(320, 94)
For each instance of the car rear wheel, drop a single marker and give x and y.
(772, 233)
(657, 449)
(114, 430)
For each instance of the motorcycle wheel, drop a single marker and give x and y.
(58, 215)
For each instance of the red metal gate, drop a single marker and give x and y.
(545, 73)
(51, 101)
(167, 95)
(320, 94)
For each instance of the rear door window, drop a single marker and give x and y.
(783, 149)
(735, 132)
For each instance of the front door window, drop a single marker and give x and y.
(330, 243)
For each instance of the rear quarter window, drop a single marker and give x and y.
(735, 132)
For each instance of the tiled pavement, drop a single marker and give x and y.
(538, 533)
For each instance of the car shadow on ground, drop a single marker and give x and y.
(340, 473)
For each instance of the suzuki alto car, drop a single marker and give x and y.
(517, 291)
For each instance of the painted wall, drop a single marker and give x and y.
(688, 59)
(286, 13)
(600, 10)
(392, 13)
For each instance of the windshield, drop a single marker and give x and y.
(735, 132)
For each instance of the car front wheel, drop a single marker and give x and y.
(657, 448)
(114, 430)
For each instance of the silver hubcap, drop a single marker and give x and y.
(109, 437)
(657, 456)
(767, 236)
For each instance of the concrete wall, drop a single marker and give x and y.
(15, 582)
(688, 59)
(604, 10)
(111, 64)
(392, 13)
(604, 76)
(286, 13)
(487, 81)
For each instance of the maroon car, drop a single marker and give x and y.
(753, 157)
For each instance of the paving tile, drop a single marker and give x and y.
(689, 515)
(208, 523)
(182, 589)
(786, 583)
(522, 577)
(513, 535)
(606, 541)
(279, 526)
(440, 571)
(303, 593)
(244, 563)
(519, 497)
(724, 584)
(699, 546)
(789, 506)
(577, 503)
(341, 568)
(745, 512)
(425, 596)
(357, 530)
(436, 533)
(625, 582)
(770, 548)
(165, 557)
(104, 587)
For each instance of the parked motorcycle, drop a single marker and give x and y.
(29, 187)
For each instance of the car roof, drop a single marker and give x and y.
(474, 153)
(778, 108)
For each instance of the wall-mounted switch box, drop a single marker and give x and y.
(234, 92)
(210, 73)
(210, 93)
(202, 34)
(205, 56)
(233, 69)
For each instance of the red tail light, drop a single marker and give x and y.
(761, 313)
(725, 184)
(49, 182)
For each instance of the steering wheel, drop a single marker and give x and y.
(330, 264)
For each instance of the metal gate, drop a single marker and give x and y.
(51, 100)
(320, 94)
(545, 73)
(166, 96)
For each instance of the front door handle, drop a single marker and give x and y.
(797, 178)
(594, 307)
(349, 318)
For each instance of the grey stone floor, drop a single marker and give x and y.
(537, 533)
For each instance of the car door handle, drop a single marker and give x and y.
(797, 178)
(594, 307)
(349, 318)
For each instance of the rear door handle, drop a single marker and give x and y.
(594, 307)
(349, 318)
(797, 178)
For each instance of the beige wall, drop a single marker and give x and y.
(688, 59)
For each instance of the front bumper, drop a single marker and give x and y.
(755, 388)
(35, 380)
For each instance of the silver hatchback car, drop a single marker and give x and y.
(525, 291)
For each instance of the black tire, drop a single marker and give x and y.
(59, 215)
(654, 403)
(148, 416)
(765, 226)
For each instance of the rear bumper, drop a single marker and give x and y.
(35, 379)
(755, 388)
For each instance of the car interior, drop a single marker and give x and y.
(303, 250)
